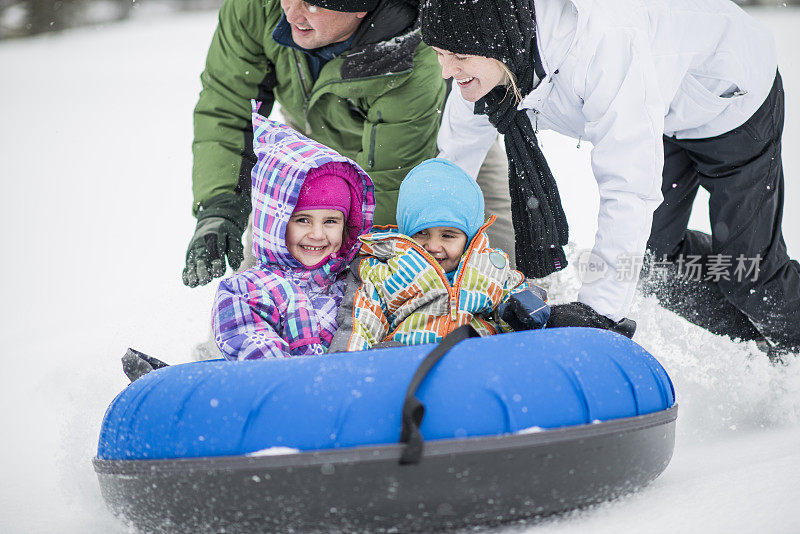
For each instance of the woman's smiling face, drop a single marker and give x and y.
(475, 76)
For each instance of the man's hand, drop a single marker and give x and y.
(579, 314)
(220, 225)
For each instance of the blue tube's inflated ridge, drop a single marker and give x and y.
(488, 386)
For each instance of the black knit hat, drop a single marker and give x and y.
(346, 6)
(500, 29)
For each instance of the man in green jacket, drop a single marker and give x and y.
(351, 74)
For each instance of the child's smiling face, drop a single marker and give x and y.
(313, 235)
(444, 243)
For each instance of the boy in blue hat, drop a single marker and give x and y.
(417, 282)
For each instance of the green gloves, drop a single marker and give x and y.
(221, 222)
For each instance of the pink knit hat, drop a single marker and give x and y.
(328, 187)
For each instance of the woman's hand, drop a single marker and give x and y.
(579, 314)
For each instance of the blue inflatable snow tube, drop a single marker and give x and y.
(545, 379)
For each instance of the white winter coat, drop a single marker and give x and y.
(620, 74)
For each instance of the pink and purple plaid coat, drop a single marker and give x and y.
(279, 308)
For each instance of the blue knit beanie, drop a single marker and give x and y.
(438, 192)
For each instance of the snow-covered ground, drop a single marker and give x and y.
(95, 216)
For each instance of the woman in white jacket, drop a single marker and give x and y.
(672, 94)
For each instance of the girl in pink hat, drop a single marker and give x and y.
(310, 204)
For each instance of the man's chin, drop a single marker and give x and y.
(304, 39)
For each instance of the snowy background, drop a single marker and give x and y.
(95, 209)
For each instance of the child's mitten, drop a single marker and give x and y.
(524, 311)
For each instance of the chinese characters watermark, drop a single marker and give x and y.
(690, 267)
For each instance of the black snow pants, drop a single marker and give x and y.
(738, 281)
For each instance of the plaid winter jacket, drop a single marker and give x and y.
(279, 307)
(397, 292)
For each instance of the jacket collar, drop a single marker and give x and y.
(381, 245)
(390, 19)
(384, 43)
(389, 233)
(282, 34)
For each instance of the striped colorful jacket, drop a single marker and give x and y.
(280, 308)
(397, 292)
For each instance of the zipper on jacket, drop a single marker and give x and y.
(457, 282)
(452, 289)
(371, 158)
(442, 276)
(308, 93)
(306, 90)
(555, 126)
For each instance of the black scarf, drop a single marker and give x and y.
(540, 225)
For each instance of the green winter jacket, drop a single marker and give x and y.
(378, 103)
